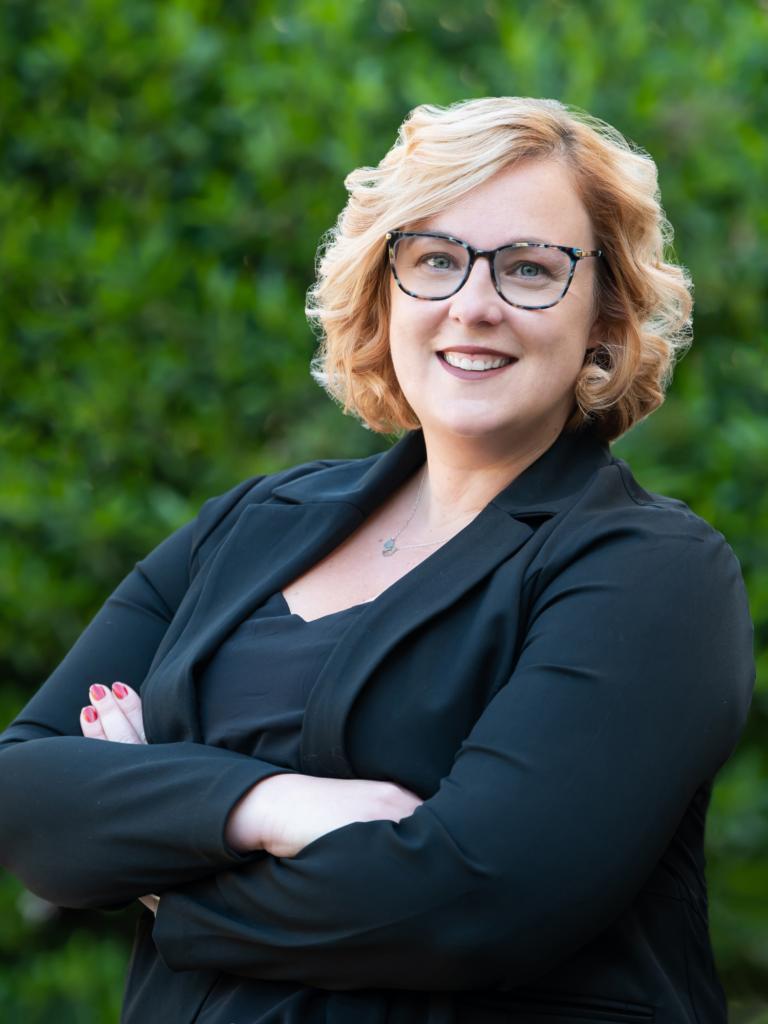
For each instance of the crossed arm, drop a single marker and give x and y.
(281, 814)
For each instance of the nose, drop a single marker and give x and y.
(477, 302)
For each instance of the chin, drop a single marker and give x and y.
(464, 423)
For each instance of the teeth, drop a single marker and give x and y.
(464, 363)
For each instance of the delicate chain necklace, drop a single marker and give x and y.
(389, 545)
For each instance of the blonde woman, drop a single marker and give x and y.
(429, 737)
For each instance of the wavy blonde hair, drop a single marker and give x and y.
(643, 301)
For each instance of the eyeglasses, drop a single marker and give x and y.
(529, 275)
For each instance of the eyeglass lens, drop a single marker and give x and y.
(434, 268)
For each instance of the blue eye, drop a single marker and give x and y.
(533, 273)
(439, 262)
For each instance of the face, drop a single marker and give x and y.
(531, 393)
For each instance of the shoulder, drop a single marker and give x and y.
(615, 501)
(220, 514)
(615, 525)
(652, 570)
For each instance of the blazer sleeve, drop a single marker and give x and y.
(630, 690)
(85, 823)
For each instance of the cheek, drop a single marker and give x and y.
(412, 328)
(398, 342)
(407, 359)
(562, 337)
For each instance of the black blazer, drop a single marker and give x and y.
(560, 682)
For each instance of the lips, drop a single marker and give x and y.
(475, 365)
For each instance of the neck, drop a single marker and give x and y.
(466, 473)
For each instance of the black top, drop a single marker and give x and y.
(560, 682)
(253, 692)
(252, 697)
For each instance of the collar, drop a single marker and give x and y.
(562, 471)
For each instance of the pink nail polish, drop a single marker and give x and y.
(98, 692)
(120, 691)
(89, 714)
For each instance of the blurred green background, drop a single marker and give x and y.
(166, 172)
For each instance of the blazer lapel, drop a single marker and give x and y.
(424, 592)
(269, 547)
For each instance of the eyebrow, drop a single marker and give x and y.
(511, 241)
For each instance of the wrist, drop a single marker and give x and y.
(248, 825)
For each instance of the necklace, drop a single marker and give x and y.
(389, 545)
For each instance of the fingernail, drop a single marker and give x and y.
(120, 691)
(98, 692)
(89, 714)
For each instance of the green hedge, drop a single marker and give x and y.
(168, 169)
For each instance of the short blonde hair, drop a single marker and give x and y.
(643, 297)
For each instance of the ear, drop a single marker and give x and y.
(596, 336)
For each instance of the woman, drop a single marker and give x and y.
(430, 737)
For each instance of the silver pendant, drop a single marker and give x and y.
(389, 547)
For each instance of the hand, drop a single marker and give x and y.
(114, 714)
(285, 813)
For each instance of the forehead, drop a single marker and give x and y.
(532, 201)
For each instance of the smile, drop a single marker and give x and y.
(474, 365)
(464, 363)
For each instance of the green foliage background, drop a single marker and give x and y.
(166, 172)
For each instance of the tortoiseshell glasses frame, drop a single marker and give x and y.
(573, 254)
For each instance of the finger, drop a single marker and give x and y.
(130, 705)
(116, 726)
(90, 724)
